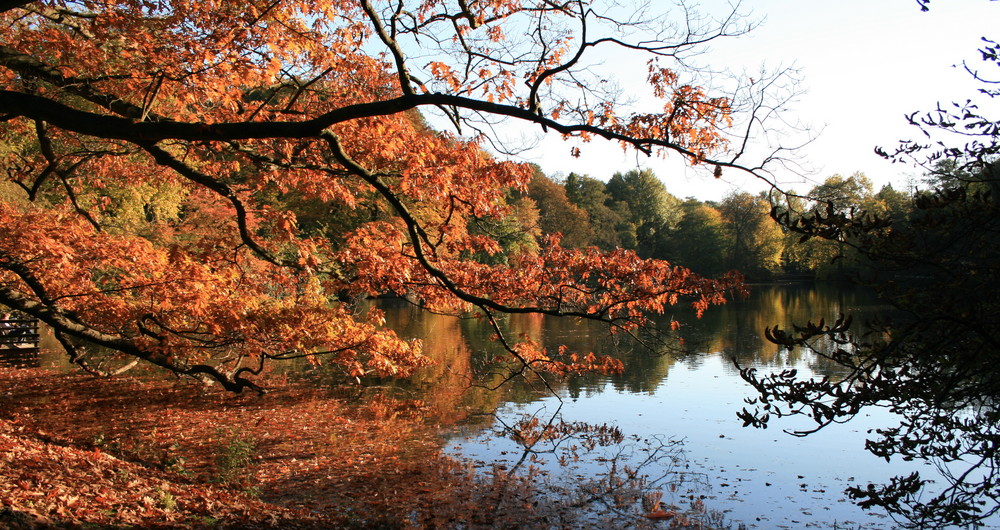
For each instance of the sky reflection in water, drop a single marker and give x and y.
(763, 478)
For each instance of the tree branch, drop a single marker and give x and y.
(112, 127)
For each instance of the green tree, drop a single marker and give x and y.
(890, 203)
(799, 255)
(845, 193)
(754, 241)
(591, 195)
(699, 242)
(837, 195)
(644, 202)
(517, 233)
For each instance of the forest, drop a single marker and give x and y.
(634, 210)
(197, 196)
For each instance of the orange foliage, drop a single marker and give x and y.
(242, 112)
(74, 451)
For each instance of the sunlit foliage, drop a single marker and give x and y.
(211, 185)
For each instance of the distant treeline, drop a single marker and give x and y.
(634, 210)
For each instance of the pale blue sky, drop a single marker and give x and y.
(864, 64)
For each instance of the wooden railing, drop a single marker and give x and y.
(20, 334)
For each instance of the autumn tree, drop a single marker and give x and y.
(557, 215)
(281, 158)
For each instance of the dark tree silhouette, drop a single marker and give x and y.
(934, 359)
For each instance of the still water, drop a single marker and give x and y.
(760, 478)
(683, 404)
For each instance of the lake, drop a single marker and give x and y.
(676, 412)
(760, 478)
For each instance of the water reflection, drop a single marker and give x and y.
(463, 348)
(765, 479)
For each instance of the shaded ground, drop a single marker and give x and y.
(76, 450)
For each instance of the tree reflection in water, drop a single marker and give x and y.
(698, 403)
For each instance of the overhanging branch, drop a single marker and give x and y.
(112, 127)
